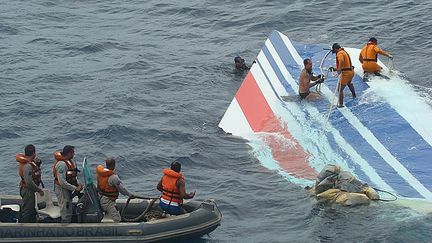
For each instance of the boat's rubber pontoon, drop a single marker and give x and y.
(201, 218)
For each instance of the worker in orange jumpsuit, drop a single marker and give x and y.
(346, 71)
(369, 57)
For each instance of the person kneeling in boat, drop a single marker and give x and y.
(109, 186)
(30, 173)
(306, 76)
(337, 186)
(173, 190)
(369, 57)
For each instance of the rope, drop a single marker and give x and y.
(141, 197)
(387, 192)
(318, 87)
(338, 86)
(390, 65)
(322, 62)
(142, 215)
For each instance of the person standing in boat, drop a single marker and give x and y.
(65, 181)
(172, 186)
(306, 76)
(345, 70)
(369, 57)
(109, 186)
(30, 173)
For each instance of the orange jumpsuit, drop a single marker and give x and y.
(343, 64)
(369, 57)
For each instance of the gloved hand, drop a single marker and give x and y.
(320, 76)
(332, 69)
(319, 81)
(391, 56)
(78, 188)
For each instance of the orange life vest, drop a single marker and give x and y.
(170, 192)
(347, 64)
(103, 174)
(71, 173)
(368, 53)
(22, 160)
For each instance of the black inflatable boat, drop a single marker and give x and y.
(142, 219)
(201, 218)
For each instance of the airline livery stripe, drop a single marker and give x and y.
(234, 121)
(261, 118)
(372, 140)
(348, 133)
(371, 173)
(254, 105)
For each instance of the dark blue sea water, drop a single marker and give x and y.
(148, 82)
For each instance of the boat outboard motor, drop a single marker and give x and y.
(88, 206)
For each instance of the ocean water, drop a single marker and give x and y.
(148, 82)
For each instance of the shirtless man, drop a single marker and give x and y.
(306, 76)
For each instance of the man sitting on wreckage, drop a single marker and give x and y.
(338, 186)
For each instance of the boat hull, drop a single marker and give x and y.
(202, 218)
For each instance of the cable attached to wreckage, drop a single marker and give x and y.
(318, 87)
(386, 192)
(337, 86)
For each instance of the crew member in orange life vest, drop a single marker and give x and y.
(109, 186)
(65, 181)
(369, 57)
(346, 71)
(30, 173)
(173, 190)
